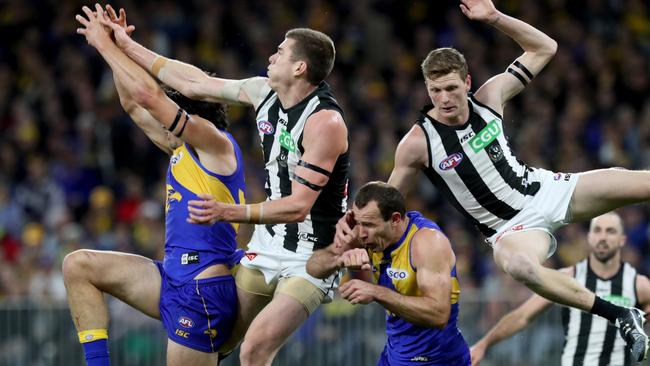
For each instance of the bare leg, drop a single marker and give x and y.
(249, 306)
(521, 256)
(600, 191)
(178, 355)
(131, 278)
(267, 333)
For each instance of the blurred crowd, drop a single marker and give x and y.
(76, 173)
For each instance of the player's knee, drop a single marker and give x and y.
(76, 265)
(523, 269)
(254, 350)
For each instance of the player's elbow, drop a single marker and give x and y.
(314, 271)
(146, 96)
(548, 49)
(438, 318)
(128, 104)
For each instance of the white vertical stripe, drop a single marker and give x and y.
(292, 158)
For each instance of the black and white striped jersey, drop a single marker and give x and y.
(590, 339)
(473, 167)
(281, 132)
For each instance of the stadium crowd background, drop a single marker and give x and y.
(76, 173)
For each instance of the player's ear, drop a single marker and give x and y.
(468, 82)
(395, 218)
(300, 68)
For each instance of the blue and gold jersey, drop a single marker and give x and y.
(408, 343)
(189, 248)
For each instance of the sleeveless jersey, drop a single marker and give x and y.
(408, 342)
(281, 132)
(189, 248)
(473, 167)
(590, 339)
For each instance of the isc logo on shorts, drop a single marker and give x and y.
(397, 274)
(190, 258)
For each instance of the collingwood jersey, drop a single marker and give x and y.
(590, 339)
(473, 167)
(409, 343)
(281, 132)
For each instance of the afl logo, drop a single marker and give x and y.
(185, 322)
(397, 274)
(451, 161)
(265, 127)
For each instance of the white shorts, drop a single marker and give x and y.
(548, 210)
(266, 254)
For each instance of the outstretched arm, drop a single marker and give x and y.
(138, 90)
(538, 51)
(325, 138)
(410, 157)
(512, 323)
(189, 80)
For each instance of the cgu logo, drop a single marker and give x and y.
(397, 274)
(488, 134)
(451, 161)
(185, 322)
(286, 141)
(265, 127)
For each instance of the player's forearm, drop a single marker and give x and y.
(181, 76)
(422, 311)
(507, 326)
(133, 83)
(529, 38)
(285, 210)
(322, 263)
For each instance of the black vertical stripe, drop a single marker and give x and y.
(291, 229)
(446, 192)
(610, 333)
(501, 165)
(471, 178)
(585, 323)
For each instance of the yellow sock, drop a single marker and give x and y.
(91, 335)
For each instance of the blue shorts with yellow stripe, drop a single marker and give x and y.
(199, 314)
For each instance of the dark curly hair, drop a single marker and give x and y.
(213, 112)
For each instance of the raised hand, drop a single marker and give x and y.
(120, 20)
(93, 28)
(121, 31)
(482, 10)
